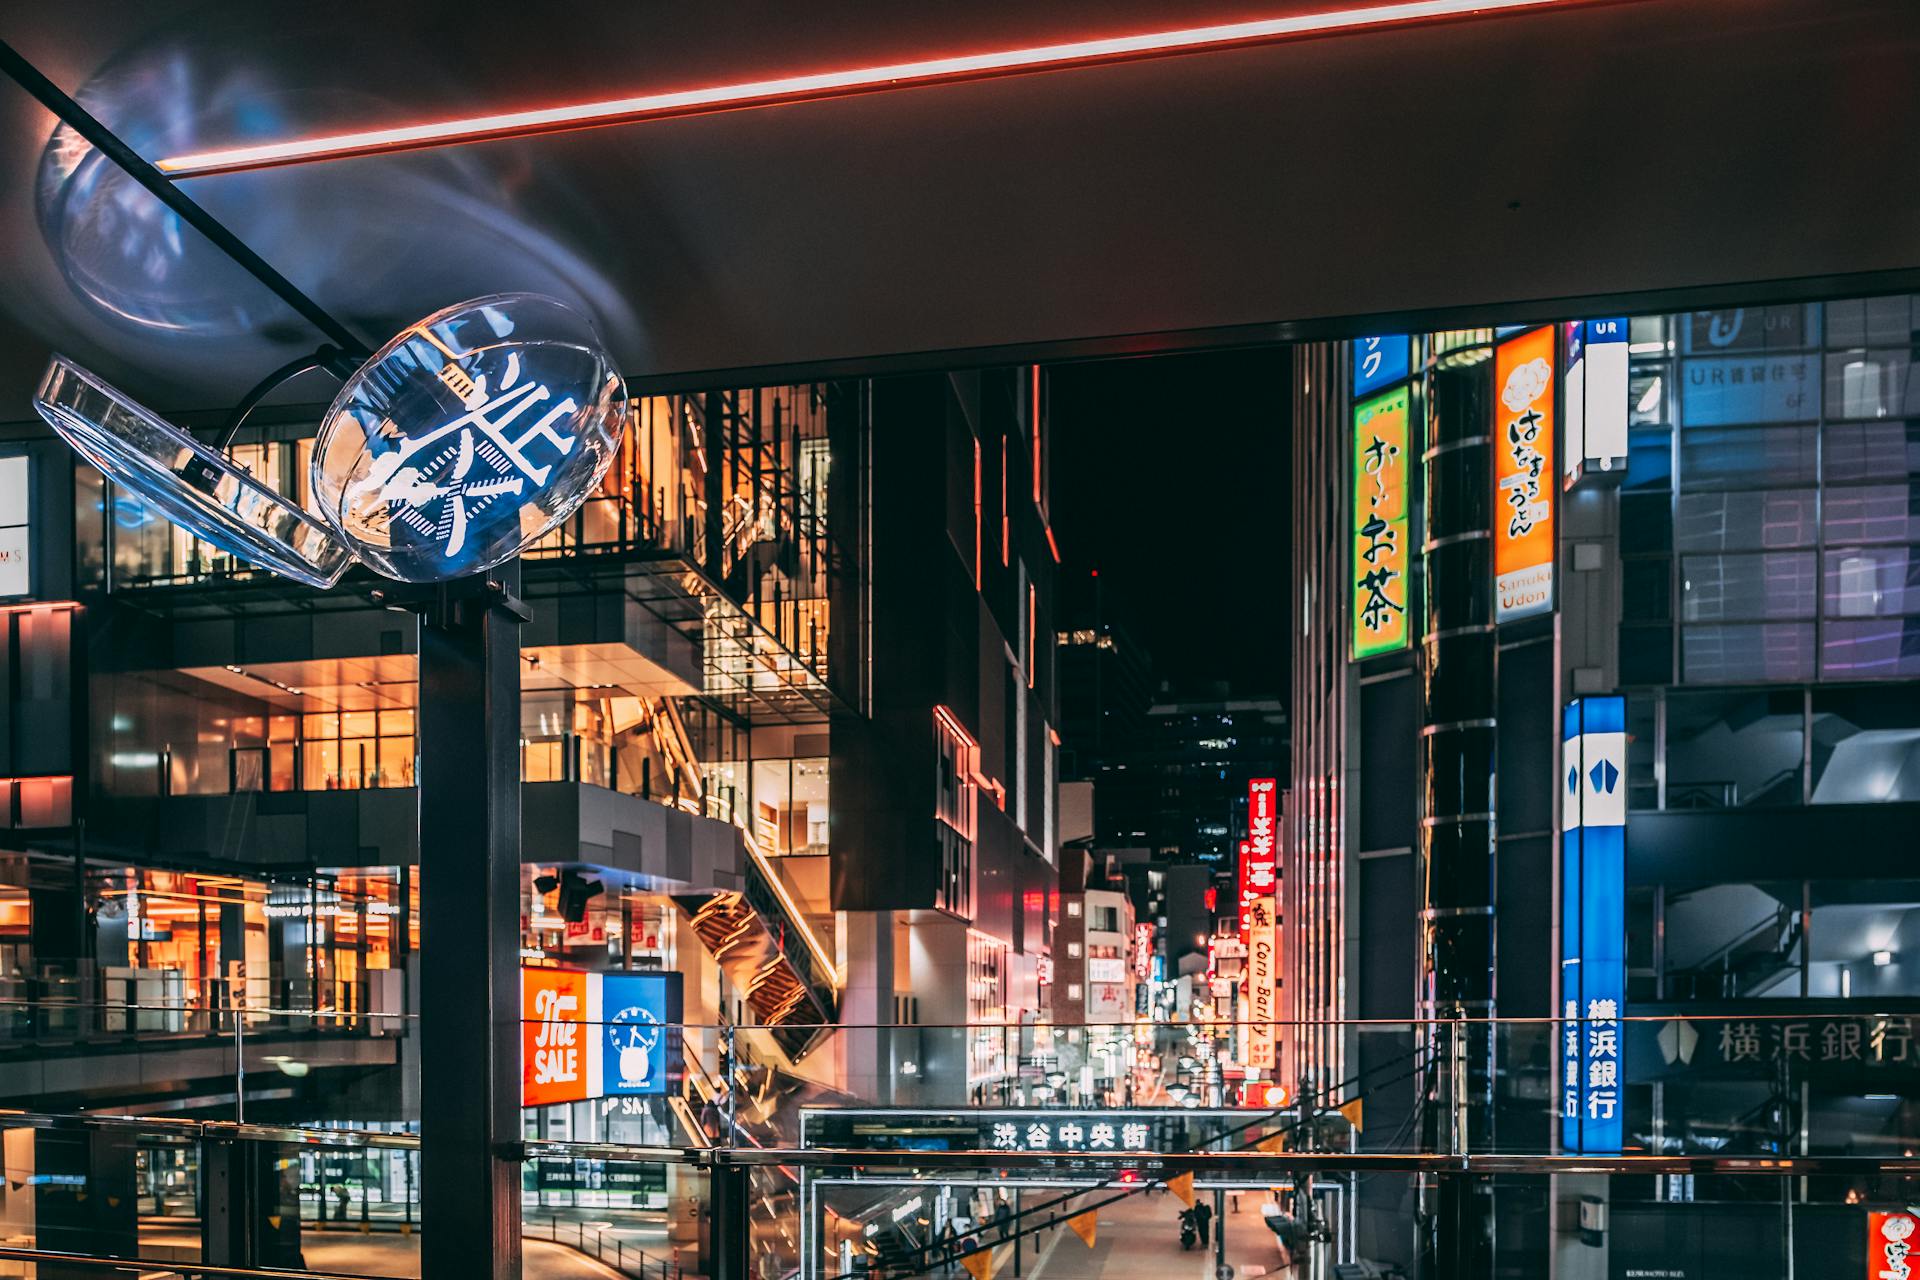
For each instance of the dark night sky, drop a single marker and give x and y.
(1170, 478)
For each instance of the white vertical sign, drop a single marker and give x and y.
(16, 565)
(1262, 976)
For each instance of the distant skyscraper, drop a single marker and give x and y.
(1179, 788)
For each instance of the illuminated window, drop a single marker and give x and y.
(956, 801)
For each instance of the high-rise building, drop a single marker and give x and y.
(1106, 682)
(786, 739)
(1179, 788)
(1606, 697)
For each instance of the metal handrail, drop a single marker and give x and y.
(628, 1260)
(142, 1266)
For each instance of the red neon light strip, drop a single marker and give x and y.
(827, 84)
(1039, 500)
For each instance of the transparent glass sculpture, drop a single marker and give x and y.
(195, 486)
(468, 436)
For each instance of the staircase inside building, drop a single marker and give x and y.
(760, 939)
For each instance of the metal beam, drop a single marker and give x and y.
(136, 166)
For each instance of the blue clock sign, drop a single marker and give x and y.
(640, 1017)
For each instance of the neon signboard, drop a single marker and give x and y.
(640, 1032)
(1258, 859)
(1593, 924)
(555, 1065)
(594, 1035)
(1381, 462)
(459, 443)
(1890, 1244)
(1380, 362)
(1523, 491)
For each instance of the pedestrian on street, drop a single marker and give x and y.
(1203, 1220)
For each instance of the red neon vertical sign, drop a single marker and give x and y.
(1258, 863)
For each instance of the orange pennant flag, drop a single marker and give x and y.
(1182, 1186)
(1084, 1225)
(980, 1263)
(1352, 1112)
(1272, 1142)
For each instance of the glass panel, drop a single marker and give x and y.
(1749, 457)
(1882, 649)
(1866, 322)
(1733, 942)
(1873, 513)
(357, 759)
(1645, 594)
(1646, 523)
(1649, 459)
(1725, 654)
(320, 766)
(1864, 938)
(1733, 749)
(1643, 790)
(396, 762)
(1872, 452)
(1866, 745)
(1736, 329)
(1756, 587)
(1871, 384)
(1734, 390)
(1747, 521)
(1872, 582)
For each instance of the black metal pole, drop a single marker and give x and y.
(1458, 748)
(469, 775)
(136, 166)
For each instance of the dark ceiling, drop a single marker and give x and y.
(1599, 151)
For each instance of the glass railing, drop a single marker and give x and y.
(161, 1195)
(1836, 1082)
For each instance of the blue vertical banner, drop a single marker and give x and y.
(1380, 362)
(1593, 924)
(640, 1033)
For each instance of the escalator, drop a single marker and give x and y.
(758, 935)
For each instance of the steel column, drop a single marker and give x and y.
(469, 788)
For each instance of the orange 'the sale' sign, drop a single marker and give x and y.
(1523, 475)
(553, 1036)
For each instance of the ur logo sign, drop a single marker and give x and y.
(1604, 777)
